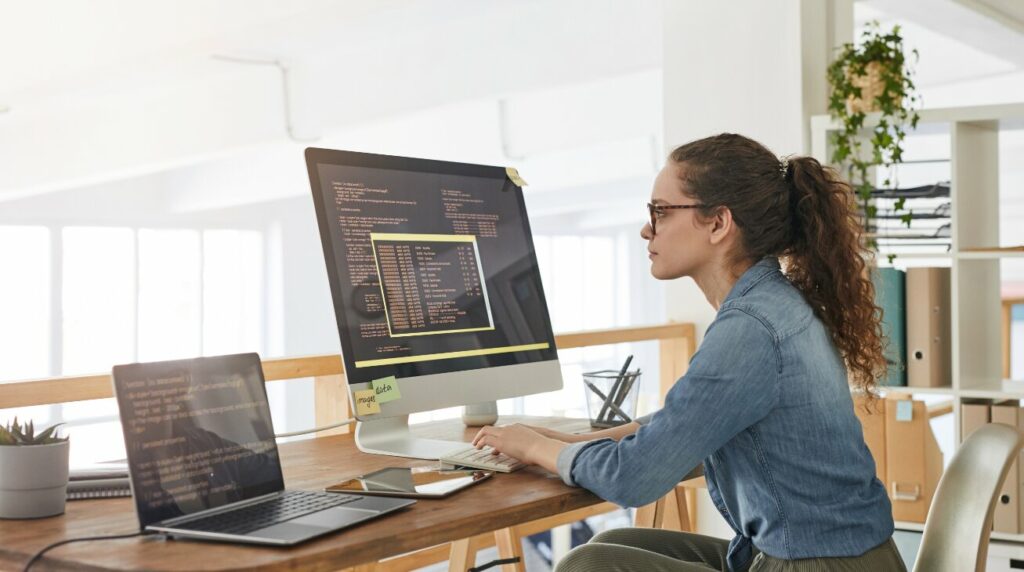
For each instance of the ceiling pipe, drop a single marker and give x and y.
(285, 90)
(503, 132)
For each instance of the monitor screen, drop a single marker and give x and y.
(198, 434)
(431, 265)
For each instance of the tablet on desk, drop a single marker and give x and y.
(418, 482)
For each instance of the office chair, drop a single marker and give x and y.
(956, 532)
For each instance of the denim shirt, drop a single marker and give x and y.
(765, 404)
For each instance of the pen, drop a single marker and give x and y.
(614, 407)
(627, 386)
(615, 388)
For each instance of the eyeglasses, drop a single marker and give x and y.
(657, 210)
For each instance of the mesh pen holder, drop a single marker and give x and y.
(611, 400)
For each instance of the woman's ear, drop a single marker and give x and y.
(721, 225)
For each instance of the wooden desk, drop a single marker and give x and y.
(504, 500)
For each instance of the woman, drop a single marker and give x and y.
(765, 404)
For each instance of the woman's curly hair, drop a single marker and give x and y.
(803, 213)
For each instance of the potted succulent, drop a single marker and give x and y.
(33, 471)
(872, 76)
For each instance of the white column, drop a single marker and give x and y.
(754, 67)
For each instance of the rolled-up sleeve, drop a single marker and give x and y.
(732, 383)
(566, 457)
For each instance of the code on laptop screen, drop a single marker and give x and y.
(198, 434)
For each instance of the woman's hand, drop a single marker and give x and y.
(521, 442)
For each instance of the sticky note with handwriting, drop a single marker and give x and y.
(386, 389)
(366, 402)
(513, 175)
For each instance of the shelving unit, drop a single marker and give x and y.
(974, 256)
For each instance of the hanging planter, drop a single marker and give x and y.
(872, 76)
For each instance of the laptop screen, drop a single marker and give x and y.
(198, 434)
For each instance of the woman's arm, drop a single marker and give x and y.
(614, 433)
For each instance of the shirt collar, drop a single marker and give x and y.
(759, 271)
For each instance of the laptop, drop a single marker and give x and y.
(203, 462)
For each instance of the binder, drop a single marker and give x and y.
(973, 414)
(929, 351)
(1007, 514)
(913, 459)
(872, 420)
(890, 292)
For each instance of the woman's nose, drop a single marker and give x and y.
(647, 233)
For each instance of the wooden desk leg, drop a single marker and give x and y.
(691, 504)
(459, 559)
(462, 555)
(682, 502)
(674, 511)
(510, 545)
(651, 515)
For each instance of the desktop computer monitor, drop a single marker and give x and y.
(435, 281)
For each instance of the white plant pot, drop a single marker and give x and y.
(33, 480)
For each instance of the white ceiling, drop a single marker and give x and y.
(52, 47)
(117, 88)
(81, 79)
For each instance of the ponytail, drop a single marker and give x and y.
(826, 261)
(802, 212)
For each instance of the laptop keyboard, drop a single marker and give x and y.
(290, 505)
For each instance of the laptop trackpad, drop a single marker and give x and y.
(335, 517)
(287, 531)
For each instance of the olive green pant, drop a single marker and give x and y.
(653, 550)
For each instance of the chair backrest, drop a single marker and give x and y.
(959, 522)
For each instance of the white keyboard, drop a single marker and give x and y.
(480, 459)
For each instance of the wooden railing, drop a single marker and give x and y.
(677, 343)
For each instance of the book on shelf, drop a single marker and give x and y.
(929, 332)
(890, 296)
(99, 480)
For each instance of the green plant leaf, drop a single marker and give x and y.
(47, 436)
(18, 434)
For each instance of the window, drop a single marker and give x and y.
(98, 298)
(170, 311)
(122, 296)
(233, 291)
(25, 301)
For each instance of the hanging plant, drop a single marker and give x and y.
(872, 76)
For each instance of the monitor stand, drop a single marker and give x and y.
(391, 436)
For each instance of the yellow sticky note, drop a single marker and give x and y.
(386, 389)
(513, 175)
(366, 402)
